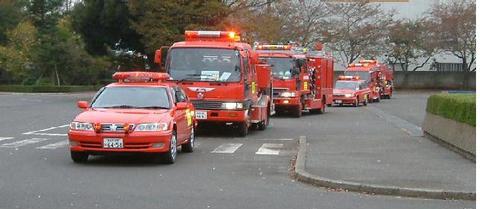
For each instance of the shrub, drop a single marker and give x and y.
(459, 107)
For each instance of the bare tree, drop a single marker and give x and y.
(356, 29)
(453, 29)
(409, 43)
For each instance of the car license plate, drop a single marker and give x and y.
(202, 115)
(113, 143)
(338, 101)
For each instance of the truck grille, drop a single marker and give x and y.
(277, 92)
(207, 105)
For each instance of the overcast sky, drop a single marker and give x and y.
(411, 9)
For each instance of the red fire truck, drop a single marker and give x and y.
(223, 78)
(301, 81)
(379, 77)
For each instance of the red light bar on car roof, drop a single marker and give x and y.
(138, 76)
(274, 47)
(211, 35)
(343, 77)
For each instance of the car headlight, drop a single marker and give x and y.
(288, 94)
(348, 95)
(232, 105)
(79, 126)
(152, 127)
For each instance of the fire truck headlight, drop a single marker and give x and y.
(287, 94)
(348, 95)
(232, 105)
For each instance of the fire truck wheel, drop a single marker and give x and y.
(388, 96)
(298, 112)
(243, 129)
(365, 102)
(79, 157)
(264, 124)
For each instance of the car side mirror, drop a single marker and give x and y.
(82, 104)
(182, 105)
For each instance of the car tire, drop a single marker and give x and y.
(170, 156)
(243, 129)
(190, 145)
(79, 157)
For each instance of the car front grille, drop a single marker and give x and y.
(207, 105)
(112, 127)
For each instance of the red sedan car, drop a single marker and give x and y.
(350, 90)
(141, 113)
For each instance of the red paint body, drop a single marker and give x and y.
(178, 118)
(380, 78)
(251, 90)
(311, 88)
(351, 96)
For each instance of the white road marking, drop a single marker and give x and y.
(227, 148)
(269, 149)
(276, 139)
(54, 145)
(5, 138)
(23, 142)
(47, 129)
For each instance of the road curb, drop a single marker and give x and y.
(302, 175)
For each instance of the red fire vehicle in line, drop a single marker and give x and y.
(378, 76)
(301, 81)
(223, 77)
(350, 90)
(141, 113)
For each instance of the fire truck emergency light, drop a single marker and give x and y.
(137, 76)
(343, 77)
(211, 35)
(274, 47)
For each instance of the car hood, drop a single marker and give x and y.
(343, 91)
(135, 116)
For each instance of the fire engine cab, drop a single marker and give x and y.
(378, 76)
(141, 113)
(350, 90)
(301, 81)
(223, 77)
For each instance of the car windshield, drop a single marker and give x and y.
(346, 85)
(281, 67)
(204, 64)
(364, 75)
(132, 97)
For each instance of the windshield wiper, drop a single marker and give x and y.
(120, 106)
(154, 107)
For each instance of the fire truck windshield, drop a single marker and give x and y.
(281, 67)
(364, 75)
(204, 64)
(347, 85)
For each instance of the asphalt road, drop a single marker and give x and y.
(36, 170)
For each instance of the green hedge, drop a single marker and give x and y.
(459, 107)
(49, 89)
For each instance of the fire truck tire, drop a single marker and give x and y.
(243, 129)
(264, 124)
(388, 96)
(298, 112)
(79, 157)
(365, 102)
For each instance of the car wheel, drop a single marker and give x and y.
(188, 147)
(171, 155)
(79, 157)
